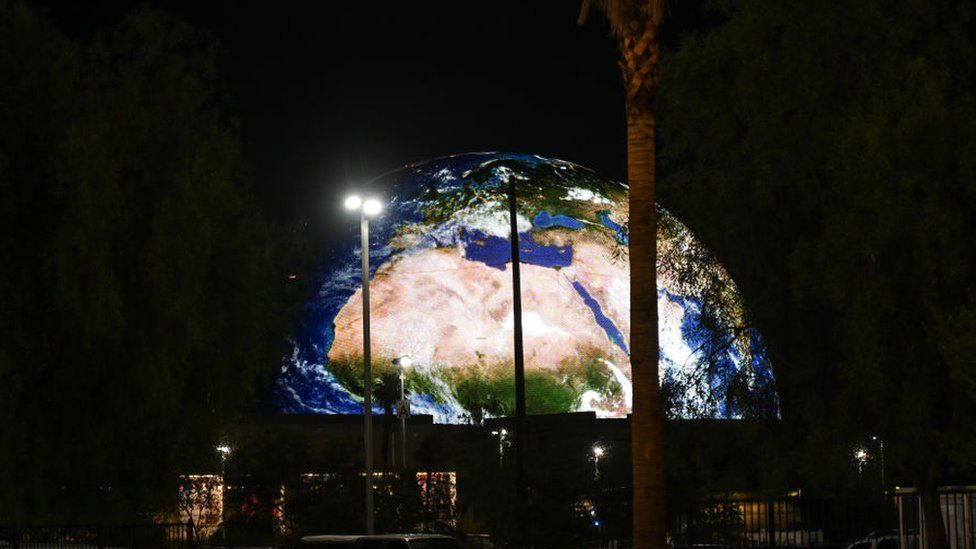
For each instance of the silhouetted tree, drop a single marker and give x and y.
(387, 393)
(826, 155)
(144, 295)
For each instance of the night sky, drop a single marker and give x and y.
(330, 93)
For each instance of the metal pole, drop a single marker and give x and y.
(223, 498)
(367, 377)
(901, 523)
(403, 422)
(519, 359)
(884, 487)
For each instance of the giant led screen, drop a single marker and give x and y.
(441, 293)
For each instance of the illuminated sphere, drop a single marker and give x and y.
(441, 292)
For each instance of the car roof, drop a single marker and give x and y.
(329, 538)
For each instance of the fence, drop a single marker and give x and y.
(958, 506)
(783, 522)
(168, 536)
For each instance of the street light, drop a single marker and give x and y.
(224, 452)
(598, 452)
(366, 208)
(860, 457)
(502, 435)
(403, 406)
(353, 202)
(372, 207)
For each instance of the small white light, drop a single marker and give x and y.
(598, 451)
(224, 449)
(353, 202)
(372, 206)
(504, 432)
(405, 362)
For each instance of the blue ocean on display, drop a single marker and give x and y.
(441, 293)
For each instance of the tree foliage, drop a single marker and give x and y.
(143, 293)
(825, 152)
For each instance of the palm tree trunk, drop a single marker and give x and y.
(635, 25)
(650, 528)
(935, 531)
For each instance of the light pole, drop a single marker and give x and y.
(368, 208)
(224, 452)
(403, 407)
(861, 457)
(502, 435)
(598, 452)
(880, 442)
(518, 359)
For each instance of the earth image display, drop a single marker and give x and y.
(441, 293)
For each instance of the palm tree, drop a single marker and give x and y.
(635, 25)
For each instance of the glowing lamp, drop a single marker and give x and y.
(372, 206)
(353, 202)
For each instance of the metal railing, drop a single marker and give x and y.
(958, 507)
(782, 522)
(167, 536)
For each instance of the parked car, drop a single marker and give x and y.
(879, 539)
(478, 541)
(384, 541)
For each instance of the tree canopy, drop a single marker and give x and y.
(825, 153)
(144, 295)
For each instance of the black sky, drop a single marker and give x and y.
(330, 93)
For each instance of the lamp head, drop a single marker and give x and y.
(371, 207)
(353, 202)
